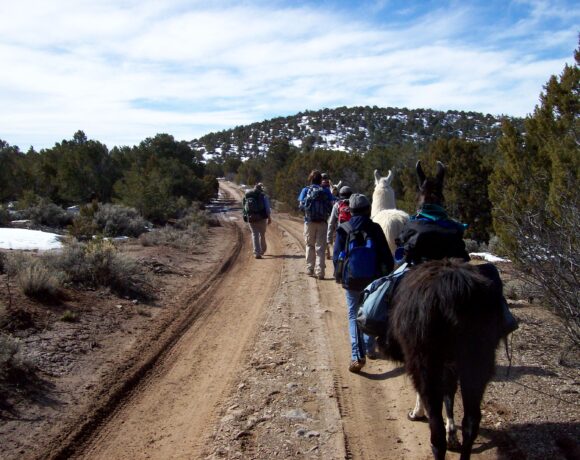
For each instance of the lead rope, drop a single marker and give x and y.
(508, 353)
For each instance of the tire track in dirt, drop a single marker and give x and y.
(169, 400)
(122, 382)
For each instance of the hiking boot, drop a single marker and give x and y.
(258, 256)
(310, 272)
(320, 277)
(356, 365)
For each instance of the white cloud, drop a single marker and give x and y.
(96, 66)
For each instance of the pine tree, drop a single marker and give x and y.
(535, 193)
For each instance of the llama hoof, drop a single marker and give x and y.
(453, 443)
(416, 418)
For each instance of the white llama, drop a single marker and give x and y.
(384, 211)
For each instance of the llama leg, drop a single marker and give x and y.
(434, 406)
(450, 428)
(418, 412)
(450, 388)
(472, 396)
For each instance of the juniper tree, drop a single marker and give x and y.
(535, 194)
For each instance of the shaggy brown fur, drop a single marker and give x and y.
(446, 319)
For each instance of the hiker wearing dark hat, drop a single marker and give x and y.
(340, 213)
(316, 203)
(256, 211)
(361, 255)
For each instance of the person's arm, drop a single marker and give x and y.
(338, 244)
(332, 221)
(302, 197)
(331, 197)
(407, 239)
(267, 208)
(244, 216)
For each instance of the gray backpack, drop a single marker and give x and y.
(373, 310)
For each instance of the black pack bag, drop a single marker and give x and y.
(254, 206)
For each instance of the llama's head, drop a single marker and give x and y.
(383, 195)
(384, 182)
(336, 188)
(431, 188)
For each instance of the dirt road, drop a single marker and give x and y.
(261, 372)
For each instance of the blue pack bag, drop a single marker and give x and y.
(357, 262)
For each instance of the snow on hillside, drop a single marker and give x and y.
(349, 129)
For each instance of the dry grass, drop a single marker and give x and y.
(36, 281)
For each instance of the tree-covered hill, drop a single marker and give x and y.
(351, 129)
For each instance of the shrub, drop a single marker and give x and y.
(495, 246)
(82, 228)
(4, 216)
(69, 316)
(16, 262)
(36, 281)
(49, 214)
(117, 220)
(8, 349)
(186, 233)
(28, 199)
(98, 263)
(471, 246)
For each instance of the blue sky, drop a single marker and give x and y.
(125, 70)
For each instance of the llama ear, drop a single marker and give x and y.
(420, 174)
(440, 172)
(377, 176)
(389, 177)
(339, 184)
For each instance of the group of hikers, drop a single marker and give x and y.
(361, 253)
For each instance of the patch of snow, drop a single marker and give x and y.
(18, 238)
(487, 257)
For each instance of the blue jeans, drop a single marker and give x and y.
(360, 343)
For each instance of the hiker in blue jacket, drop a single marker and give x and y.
(316, 203)
(362, 346)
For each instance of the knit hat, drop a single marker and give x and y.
(358, 203)
(259, 186)
(345, 191)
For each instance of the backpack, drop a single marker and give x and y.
(373, 309)
(343, 211)
(317, 205)
(357, 262)
(426, 239)
(254, 208)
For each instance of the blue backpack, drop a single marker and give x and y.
(357, 262)
(373, 309)
(317, 204)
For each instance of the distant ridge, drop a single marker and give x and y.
(351, 129)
